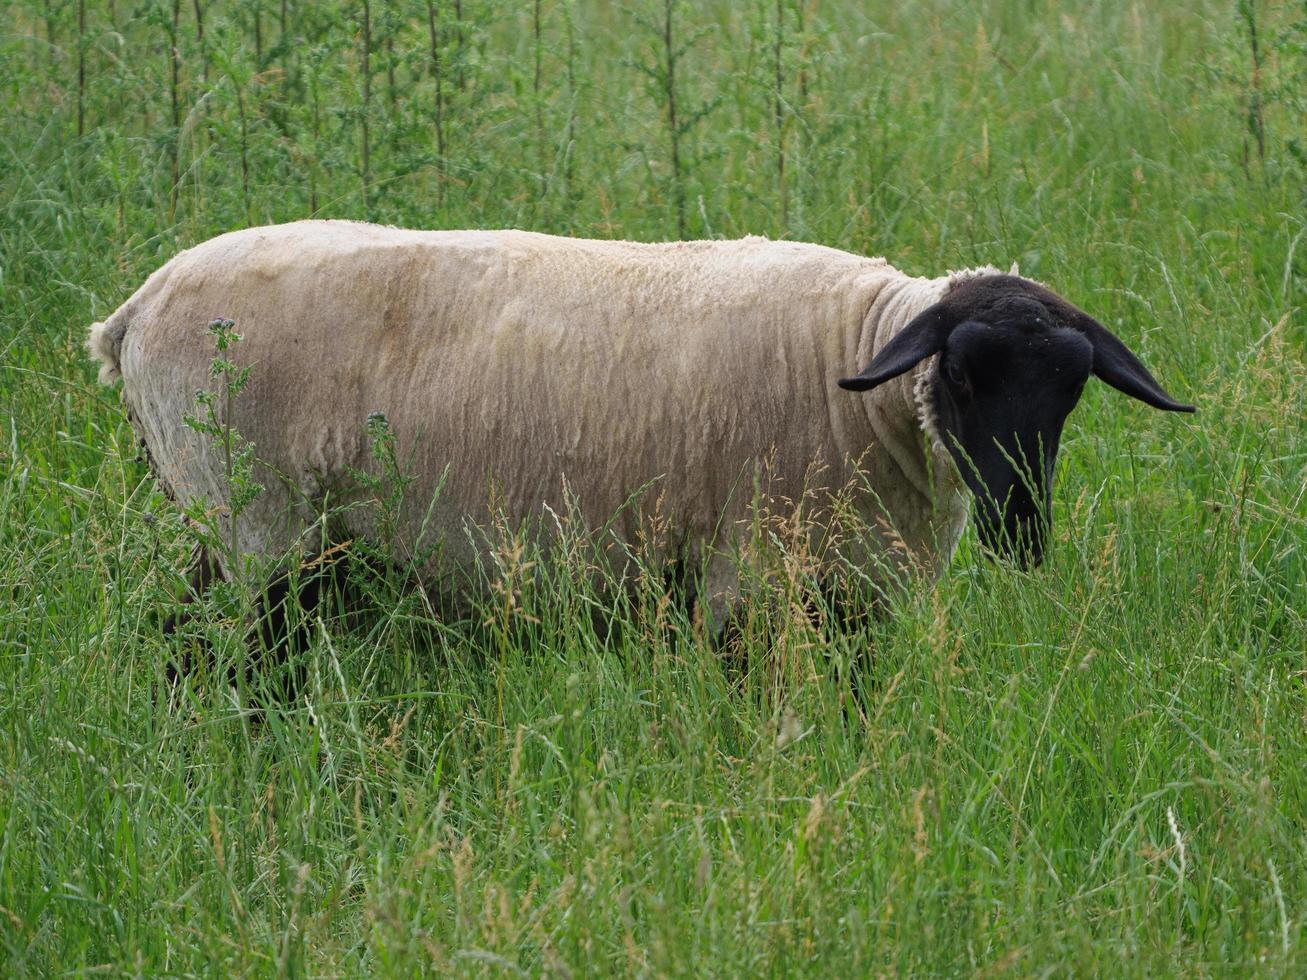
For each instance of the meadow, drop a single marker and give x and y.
(1098, 767)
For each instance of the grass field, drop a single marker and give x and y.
(1096, 768)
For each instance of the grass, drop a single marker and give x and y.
(1096, 768)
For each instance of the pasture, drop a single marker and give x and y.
(1098, 767)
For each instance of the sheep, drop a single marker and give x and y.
(550, 373)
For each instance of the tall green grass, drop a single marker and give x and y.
(1098, 767)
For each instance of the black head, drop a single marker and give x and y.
(1014, 358)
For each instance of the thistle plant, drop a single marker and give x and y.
(214, 420)
(388, 487)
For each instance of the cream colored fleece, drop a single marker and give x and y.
(511, 365)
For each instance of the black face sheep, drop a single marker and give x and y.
(567, 375)
(1013, 360)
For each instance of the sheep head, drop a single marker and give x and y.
(1013, 360)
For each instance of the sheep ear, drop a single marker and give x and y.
(917, 341)
(1115, 364)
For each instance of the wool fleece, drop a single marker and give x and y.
(533, 376)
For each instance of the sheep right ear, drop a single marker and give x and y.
(921, 338)
(1118, 366)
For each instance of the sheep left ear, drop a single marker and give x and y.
(1115, 364)
(917, 341)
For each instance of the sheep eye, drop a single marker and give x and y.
(955, 373)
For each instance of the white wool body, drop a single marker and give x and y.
(541, 375)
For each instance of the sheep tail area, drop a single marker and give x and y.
(106, 343)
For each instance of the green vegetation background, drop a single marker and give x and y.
(1099, 767)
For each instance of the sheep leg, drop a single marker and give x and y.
(713, 598)
(282, 625)
(851, 614)
(203, 572)
(294, 600)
